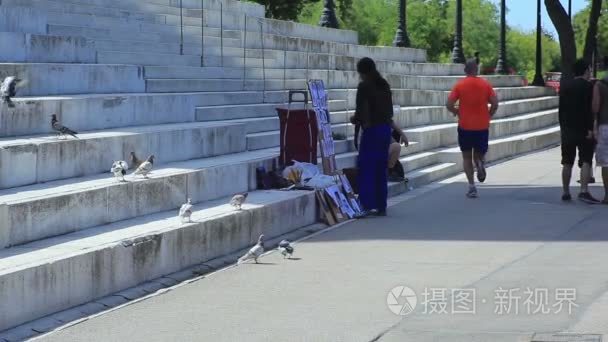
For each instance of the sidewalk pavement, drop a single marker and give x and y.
(516, 247)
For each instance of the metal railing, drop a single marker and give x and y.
(181, 27)
(202, 33)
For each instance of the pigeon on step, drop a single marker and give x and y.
(8, 89)
(135, 162)
(185, 212)
(119, 169)
(146, 167)
(238, 200)
(286, 248)
(61, 129)
(255, 252)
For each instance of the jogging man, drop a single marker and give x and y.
(576, 123)
(473, 95)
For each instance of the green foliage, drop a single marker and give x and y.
(580, 23)
(431, 27)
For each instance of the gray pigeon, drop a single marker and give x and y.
(119, 169)
(255, 252)
(61, 129)
(286, 248)
(185, 212)
(146, 167)
(8, 89)
(238, 200)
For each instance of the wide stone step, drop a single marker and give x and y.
(106, 111)
(61, 79)
(210, 85)
(170, 48)
(416, 97)
(60, 207)
(213, 113)
(446, 134)
(115, 257)
(45, 158)
(28, 48)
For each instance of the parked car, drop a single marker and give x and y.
(552, 79)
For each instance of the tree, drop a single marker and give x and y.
(565, 30)
(291, 9)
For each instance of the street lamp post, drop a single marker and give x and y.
(538, 77)
(401, 37)
(570, 9)
(328, 18)
(501, 65)
(457, 53)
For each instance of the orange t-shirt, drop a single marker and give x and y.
(473, 95)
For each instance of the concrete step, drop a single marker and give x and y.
(44, 158)
(22, 19)
(78, 8)
(39, 278)
(210, 85)
(61, 207)
(416, 97)
(213, 113)
(194, 49)
(435, 136)
(107, 111)
(56, 79)
(27, 48)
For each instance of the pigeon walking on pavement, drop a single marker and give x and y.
(135, 162)
(8, 89)
(255, 252)
(238, 200)
(119, 169)
(61, 130)
(286, 248)
(185, 212)
(145, 168)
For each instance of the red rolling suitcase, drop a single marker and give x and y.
(299, 132)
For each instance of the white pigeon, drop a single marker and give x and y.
(255, 252)
(185, 212)
(286, 248)
(119, 169)
(238, 200)
(146, 167)
(8, 89)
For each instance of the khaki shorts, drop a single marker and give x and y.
(601, 151)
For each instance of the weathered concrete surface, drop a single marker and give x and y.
(22, 19)
(47, 158)
(517, 235)
(41, 278)
(61, 79)
(34, 48)
(44, 210)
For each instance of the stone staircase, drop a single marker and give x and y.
(112, 70)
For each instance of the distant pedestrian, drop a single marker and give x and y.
(396, 173)
(576, 123)
(374, 114)
(478, 61)
(600, 110)
(473, 95)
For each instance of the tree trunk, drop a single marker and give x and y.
(562, 24)
(591, 39)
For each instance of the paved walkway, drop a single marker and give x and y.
(516, 235)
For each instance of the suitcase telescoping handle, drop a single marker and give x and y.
(298, 92)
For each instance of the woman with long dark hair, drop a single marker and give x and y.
(374, 113)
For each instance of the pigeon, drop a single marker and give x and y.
(61, 129)
(185, 212)
(119, 169)
(255, 252)
(135, 162)
(145, 168)
(286, 248)
(238, 200)
(8, 90)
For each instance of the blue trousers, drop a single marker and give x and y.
(373, 165)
